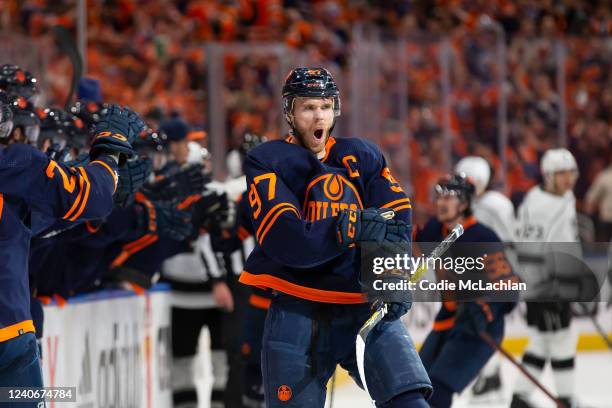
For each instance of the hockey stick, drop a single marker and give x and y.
(379, 314)
(598, 327)
(489, 340)
(68, 47)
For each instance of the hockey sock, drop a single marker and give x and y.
(410, 399)
(563, 373)
(534, 364)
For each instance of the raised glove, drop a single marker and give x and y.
(369, 225)
(132, 177)
(115, 132)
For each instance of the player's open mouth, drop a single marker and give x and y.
(318, 134)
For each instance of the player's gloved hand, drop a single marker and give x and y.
(474, 316)
(213, 208)
(369, 225)
(115, 133)
(398, 301)
(132, 177)
(177, 186)
(163, 219)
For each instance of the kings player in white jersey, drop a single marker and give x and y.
(493, 209)
(548, 214)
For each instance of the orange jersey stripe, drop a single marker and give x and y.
(107, 167)
(269, 214)
(1, 204)
(402, 207)
(77, 201)
(397, 202)
(85, 196)
(259, 302)
(278, 213)
(303, 292)
(16, 330)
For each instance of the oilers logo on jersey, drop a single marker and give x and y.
(328, 194)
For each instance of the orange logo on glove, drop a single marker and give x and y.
(284, 393)
(114, 135)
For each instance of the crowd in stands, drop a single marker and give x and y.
(558, 64)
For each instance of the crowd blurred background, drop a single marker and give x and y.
(555, 75)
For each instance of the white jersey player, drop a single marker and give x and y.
(493, 209)
(548, 214)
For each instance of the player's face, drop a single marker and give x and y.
(312, 119)
(448, 208)
(564, 181)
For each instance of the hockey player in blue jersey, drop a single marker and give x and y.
(32, 183)
(454, 353)
(312, 198)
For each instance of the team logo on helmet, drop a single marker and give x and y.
(284, 393)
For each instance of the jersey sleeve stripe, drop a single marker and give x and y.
(85, 196)
(76, 201)
(107, 167)
(405, 200)
(1, 205)
(402, 207)
(270, 213)
(271, 223)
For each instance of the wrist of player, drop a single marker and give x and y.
(348, 227)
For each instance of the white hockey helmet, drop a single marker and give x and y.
(477, 169)
(555, 160)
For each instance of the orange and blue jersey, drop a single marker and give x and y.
(294, 199)
(32, 183)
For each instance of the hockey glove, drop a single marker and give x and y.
(131, 178)
(178, 186)
(163, 219)
(398, 301)
(115, 132)
(369, 225)
(213, 208)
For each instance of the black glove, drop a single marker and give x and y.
(369, 225)
(163, 219)
(115, 133)
(177, 186)
(213, 208)
(132, 176)
(398, 301)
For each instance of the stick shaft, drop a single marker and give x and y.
(489, 340)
